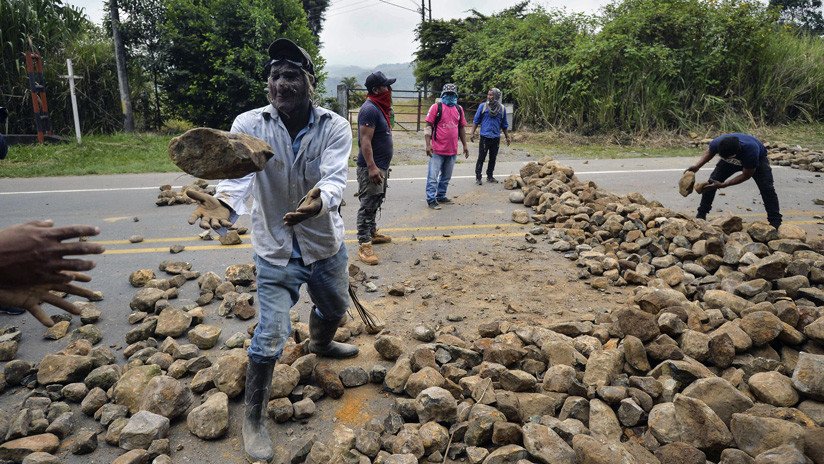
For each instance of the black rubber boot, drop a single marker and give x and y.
(257, 444)
(321, 333)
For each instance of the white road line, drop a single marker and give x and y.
(351, 181)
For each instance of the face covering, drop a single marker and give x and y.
(494, 105)
(449, 99)
(384, 102)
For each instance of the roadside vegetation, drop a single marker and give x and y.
(640, 78)
(147, 152)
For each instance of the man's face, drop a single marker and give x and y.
(490, 96)
(379, 89)
(288, 89)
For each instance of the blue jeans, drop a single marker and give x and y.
(279, 289)
(438, 176)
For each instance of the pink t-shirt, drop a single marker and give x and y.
(446, 142)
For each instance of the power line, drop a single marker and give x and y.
(349, 11)
(400, 6)
(346, 8)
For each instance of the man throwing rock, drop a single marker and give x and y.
(445, 123)
(297, 229)
(491, 116)
(739, 153)
(374, 156)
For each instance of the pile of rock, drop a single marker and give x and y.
(795, 157)
(633, 388)
(632, 241)
(137, 403)
(169, 197)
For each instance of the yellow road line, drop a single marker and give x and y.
(429, 238)
(348, 232)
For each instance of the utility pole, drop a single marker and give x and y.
(122, 76)
(71, 77)
(423, 23)
(430, 10)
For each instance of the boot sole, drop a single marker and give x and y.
(256, 461)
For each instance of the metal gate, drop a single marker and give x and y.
(409, 107)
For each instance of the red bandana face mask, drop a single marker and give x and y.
(384, 102)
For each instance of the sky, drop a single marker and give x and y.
(367, 33)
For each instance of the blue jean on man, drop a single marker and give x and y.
(279, 289)
(438, 176)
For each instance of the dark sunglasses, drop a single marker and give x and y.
(274, 61)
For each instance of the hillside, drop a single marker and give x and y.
(404, 72)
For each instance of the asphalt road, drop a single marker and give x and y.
(123, 205)
(480, 213)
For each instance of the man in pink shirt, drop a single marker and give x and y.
(445, 123)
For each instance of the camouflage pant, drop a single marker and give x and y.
(371, 197)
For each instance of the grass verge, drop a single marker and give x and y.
(142, 153)
(99, 154)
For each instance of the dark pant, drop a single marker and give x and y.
(763, 179)
(371, 197)
(490, 145)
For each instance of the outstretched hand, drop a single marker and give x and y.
(210, 211)
(30, 298)
(309, 207)
(35, 253)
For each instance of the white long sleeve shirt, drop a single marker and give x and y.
(322, 162)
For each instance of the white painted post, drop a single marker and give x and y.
(71, 77)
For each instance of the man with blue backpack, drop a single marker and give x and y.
(491, 116)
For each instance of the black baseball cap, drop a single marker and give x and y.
(285, 49)
(377, 79)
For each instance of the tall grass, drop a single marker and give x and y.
(678, 65)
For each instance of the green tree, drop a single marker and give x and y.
(806, 14)
(56, 31)
(141, 30)
(215, 51)
(356, 97)
(315, 14)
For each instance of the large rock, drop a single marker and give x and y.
(17, 450)
(773, 388)
(686, 184)
(128, 391)
(172, 322)
(720, 395)
(603, 366)
(204, 336)
(389, 346)
(654, 300)
(691, 421)
(166, 396)
(63, 369)
(762, 327)
(215, 154)
(397, 375)
(144, 300)
(230, 372)
(631, 321)
(754, 435)
(722, 299)
(284, 379)
(508, 454)
(210, 420)
(436, 404)
(546, 446)
(241, 274)
(142, 429)
(808, 376)
(680, 453)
